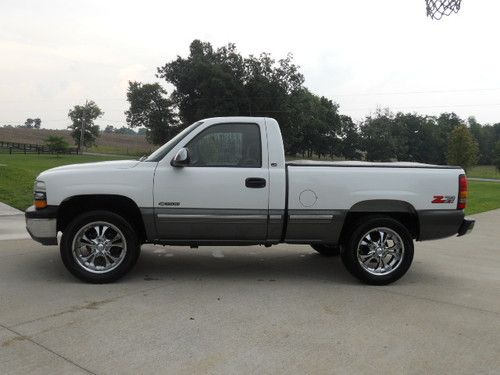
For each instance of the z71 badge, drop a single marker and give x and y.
(443, 199)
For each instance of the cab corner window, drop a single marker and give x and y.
(227, 145)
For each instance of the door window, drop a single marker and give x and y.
(227, 145)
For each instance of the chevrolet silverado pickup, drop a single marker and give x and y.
(225, 181)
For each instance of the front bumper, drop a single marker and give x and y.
(42, 224)
(466, 227)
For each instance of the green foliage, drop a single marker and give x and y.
(32, 123)
(221, 82)
(213, 82)
(387, 136)
(378, 141)
(151, 109)
(486, 137)
(56, 144)
(462, 148)
(497, 155)
(85, 115)
(350, 140)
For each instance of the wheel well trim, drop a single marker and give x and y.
(139, 219)
(397, 209)
(383, 205)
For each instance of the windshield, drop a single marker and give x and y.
(165, 149)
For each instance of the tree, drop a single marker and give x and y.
(32, 123)
(221, 82)
(446, 123)
(462, 148)
(497, 155)
(28, 123)
(124, 130)
(350, 140)
(56, 144)
(85, 115)
(486, 137)
(377, 139)
(109, 129)
(152, 109)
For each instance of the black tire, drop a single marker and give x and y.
(132, 249)
(349, 253)
(327, 250)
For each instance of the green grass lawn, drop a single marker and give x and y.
(483, 196)
(483, 171)
(18, 173)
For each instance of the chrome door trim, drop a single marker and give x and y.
(212, 216)
(311, 217)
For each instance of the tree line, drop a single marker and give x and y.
(220, 81)
(30, 123)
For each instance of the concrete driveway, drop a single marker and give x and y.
(254, 310)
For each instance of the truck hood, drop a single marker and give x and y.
(102, 165)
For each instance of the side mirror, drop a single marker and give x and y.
(181, 158)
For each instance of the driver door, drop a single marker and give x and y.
(222, 193)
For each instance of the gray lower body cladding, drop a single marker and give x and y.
(226, 226)
(240, 227)
(204, 226)
(314, 226)
(248, 227)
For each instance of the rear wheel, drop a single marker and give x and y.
(327, 250)
(379, 251)
(99, 247)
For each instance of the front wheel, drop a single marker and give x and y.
(99, 247)
(379, 251)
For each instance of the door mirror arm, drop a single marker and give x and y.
(181, 158)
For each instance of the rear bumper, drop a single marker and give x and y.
(466, 227)
(436, 224)
(42, 224)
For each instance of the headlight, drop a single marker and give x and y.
(39, 195)
(39, 185)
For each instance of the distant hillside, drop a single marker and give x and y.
(106, 143)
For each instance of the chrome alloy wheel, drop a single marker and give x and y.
(380, 251)
(99, 247)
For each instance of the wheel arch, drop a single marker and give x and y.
(119, 204)
(401, 211)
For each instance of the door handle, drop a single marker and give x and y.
(255, 182)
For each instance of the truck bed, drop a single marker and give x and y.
(400, 164)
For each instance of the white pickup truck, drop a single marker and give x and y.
(224, 181)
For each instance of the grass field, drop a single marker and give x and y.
(484, 171)
(18, 172)
(483, 196)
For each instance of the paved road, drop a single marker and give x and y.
(12, 225)
(254, 310)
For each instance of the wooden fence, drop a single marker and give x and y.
(29, 148)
